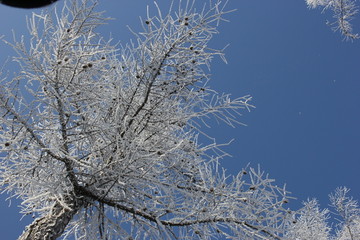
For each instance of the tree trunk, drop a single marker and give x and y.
(52, 225)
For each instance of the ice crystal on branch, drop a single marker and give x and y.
(348, 210)
(310, 223)
(316, 3)
(344, 11)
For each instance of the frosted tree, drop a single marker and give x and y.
(348, 210)
(312, 223)
(104, 141)
(100, 141)
(343, 12)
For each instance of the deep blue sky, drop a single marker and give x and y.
(305, 82)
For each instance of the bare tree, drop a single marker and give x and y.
(344, 11)
(101, 141)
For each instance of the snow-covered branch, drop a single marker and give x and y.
(343, 12)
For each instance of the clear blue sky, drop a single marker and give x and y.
(305, 82)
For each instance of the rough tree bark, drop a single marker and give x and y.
(52, 225)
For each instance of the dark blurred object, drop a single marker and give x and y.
(27, 3)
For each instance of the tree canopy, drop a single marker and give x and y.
(101, 141)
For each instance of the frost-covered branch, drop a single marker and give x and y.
(101, 141)
(344, 11)
(312, 223)
(348, 210)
